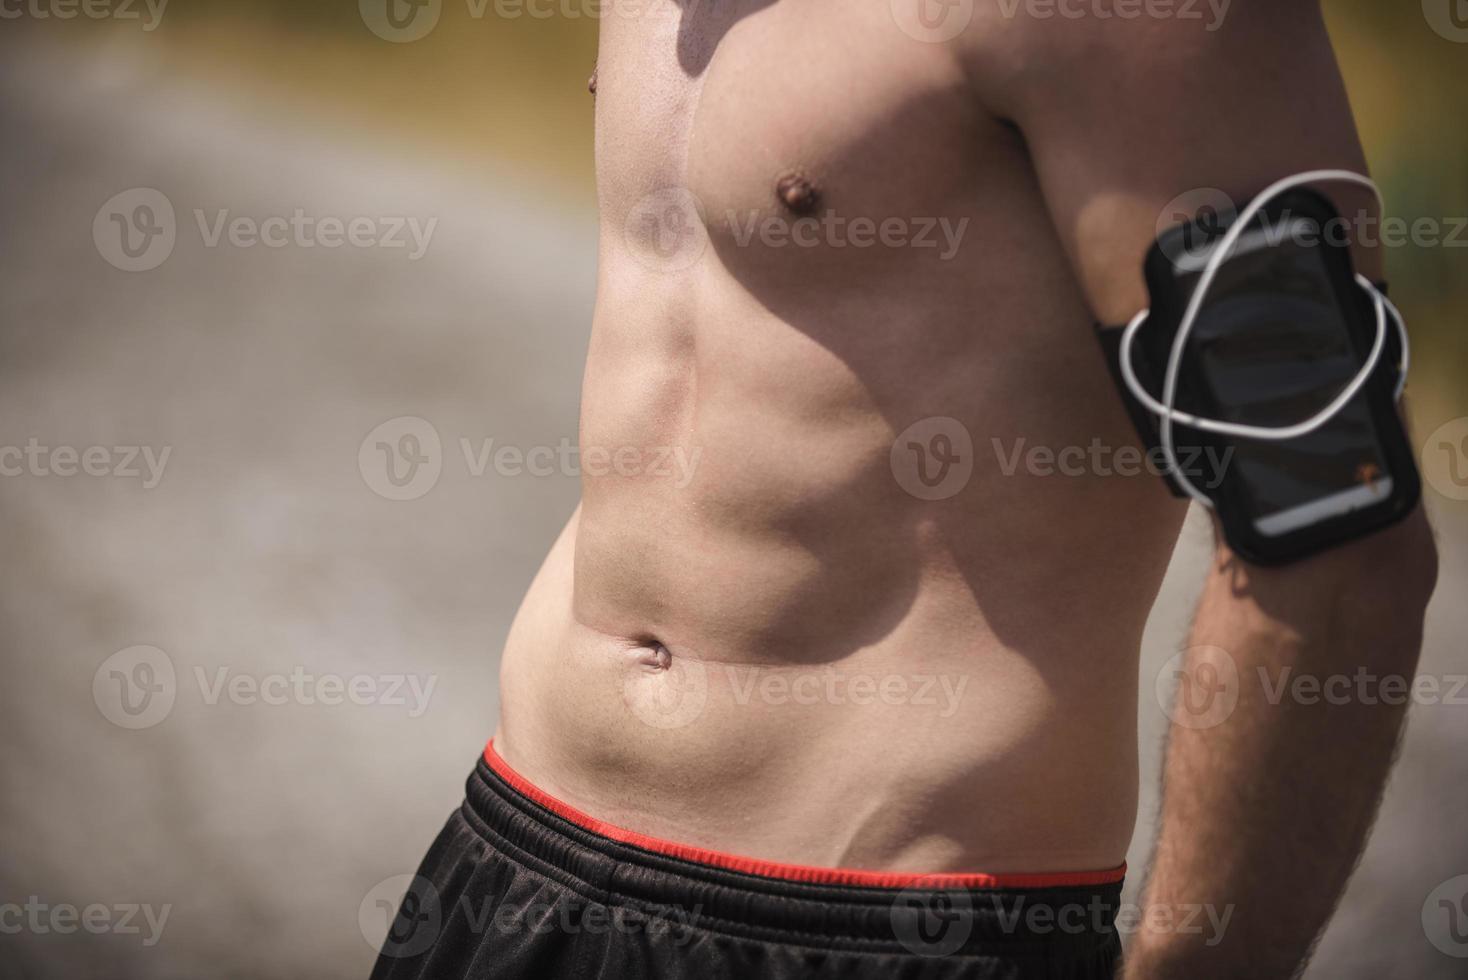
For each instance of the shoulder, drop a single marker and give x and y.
(1017, 51)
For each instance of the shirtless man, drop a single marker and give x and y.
(716, 755)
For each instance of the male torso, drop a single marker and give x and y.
(766, 631)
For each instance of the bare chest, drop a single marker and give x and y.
(755, 113)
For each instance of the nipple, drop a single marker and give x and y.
(796, 192)
(591, 82)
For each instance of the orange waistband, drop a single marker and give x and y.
(791, 872)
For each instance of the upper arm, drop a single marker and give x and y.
(1122, 116)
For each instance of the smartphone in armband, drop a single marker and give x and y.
(1284, 329)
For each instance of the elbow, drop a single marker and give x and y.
(1365, 600)
(1382, 601)
(1396, 566)
(1399, 566)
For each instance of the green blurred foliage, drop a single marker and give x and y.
(1409, 88)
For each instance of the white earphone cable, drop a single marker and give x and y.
(1166, 409)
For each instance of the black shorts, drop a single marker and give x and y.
(519, 885)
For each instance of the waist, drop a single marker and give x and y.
(927, 748)
(695, 677)
(975, 913)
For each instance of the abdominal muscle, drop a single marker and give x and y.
(771, 648)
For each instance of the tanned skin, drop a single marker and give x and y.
(1266, 811)
(790, 551)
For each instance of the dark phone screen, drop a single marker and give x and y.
(1273, 348)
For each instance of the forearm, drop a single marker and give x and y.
(1267, 803)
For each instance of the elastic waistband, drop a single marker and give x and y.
(763, 898)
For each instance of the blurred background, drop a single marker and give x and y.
(191, 503)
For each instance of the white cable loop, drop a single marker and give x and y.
(1166, 409)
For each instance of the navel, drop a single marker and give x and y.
(652, 654)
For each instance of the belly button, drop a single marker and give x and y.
(653, 655)
(797, 192)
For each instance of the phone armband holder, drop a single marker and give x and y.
(1222, 432)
